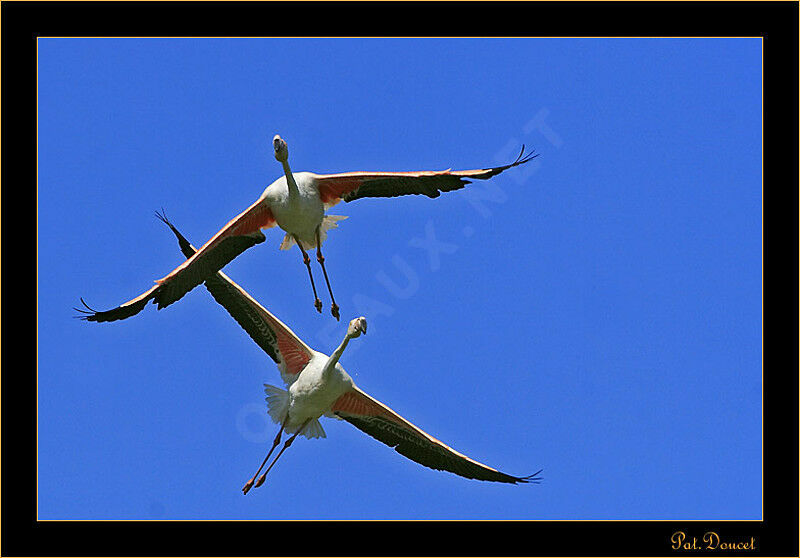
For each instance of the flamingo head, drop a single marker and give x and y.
(281, 149)
(357, 327)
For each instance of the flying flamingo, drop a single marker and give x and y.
(296, 202)
(319, 386)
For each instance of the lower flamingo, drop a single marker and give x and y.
(318, 385)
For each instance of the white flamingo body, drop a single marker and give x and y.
(318, 385)
(310, 396)
(296, 202)
(299, 213)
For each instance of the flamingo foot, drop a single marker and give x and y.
(261, 480)
(318, 305)
(335, 311)
(248, 486)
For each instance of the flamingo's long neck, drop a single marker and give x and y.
(294, 191)
(337, 354)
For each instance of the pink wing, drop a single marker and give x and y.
(351, 186)
(255, 318)
(269, 333)
(379, 421)
(238, 235)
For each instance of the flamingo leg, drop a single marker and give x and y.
(275, 443)
(321, 260)
(307, 261)
(283, 449)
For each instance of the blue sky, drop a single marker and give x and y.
(595, 313)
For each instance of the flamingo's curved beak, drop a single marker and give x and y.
(280, 147)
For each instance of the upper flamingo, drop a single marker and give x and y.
(319, 386)
(296, 202)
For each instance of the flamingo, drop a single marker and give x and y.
(296, 202)
(319, 386)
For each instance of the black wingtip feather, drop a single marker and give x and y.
(87, 313)
(186, 247)
(534, 478)
(522, 158)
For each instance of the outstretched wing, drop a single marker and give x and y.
(288, 351)
(379, 421)
(238, 235)
(351, 186)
